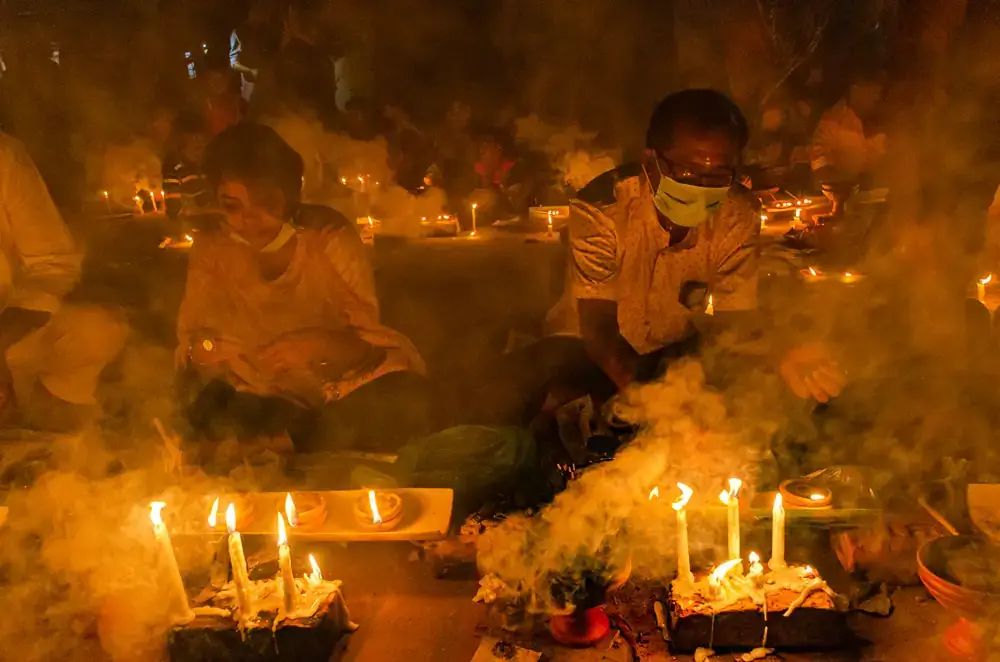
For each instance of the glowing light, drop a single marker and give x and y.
(986, 281)
(189, 238)
(155, 510)
(282, 533)
(231, 518)
(720, 573)
(376, 518)
(813, 272)
(316, 576)
(798, 214)
(343, 180)
(475, 205)
(816, 497)
(105, 195)
(213, 514)
(290, 511)
(727, 496)
(683, 499)
(654, 493)
(754, 557)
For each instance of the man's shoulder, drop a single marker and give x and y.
(600, 192)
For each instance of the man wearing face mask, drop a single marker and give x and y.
(279, 327)
(652, 243)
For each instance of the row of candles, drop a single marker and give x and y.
(179, 606)
(731, 499)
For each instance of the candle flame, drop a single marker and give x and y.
(343, 180)
(816, 497)
(654, 493)
(213, 514)
(290, 511)
(986, 281)
(809, 570)
(798, 213)
(808, 201)
(189, 238)
(361, 179)
(728, 496)
(282, 534)
(231, 518)
(754, 558)
(777, 502)
(720, 573)
(683, 499)
(316, 575)
(105, 194)
(813, 272)
(154, 512)
(475, 205)
(376, 518)
(371, 223)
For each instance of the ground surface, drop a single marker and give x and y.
(407, 614)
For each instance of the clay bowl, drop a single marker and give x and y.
(588, 623)
(311, 510)
(246, 511)
(932, 559)
(390, 508)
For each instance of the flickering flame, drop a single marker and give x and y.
(213, 514)
(808, 201)
(986, 281)
(207, 345)
(475, 205)
(361, 179)
(720, 573)
(154, 512)
(754, 558)
(798, 213)
(683, 499)
(189, 238)
(282, 534)
(727, 496)
(343, 180)
(813, 272)
(809, 570)
(290, 511)
(231, 518)
(777, 503)
(371, 223)
(376, 518)
(105, 194)
(316, 575)
(654, 493)
(816, 497)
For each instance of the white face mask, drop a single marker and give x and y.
(284, 235)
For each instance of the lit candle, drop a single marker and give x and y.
(798, 214)
(220, 561)
(684, 575)
(138, 203)
(291, 512)
(756, 570)
(710, 307)
(731, 499)
(364, 188)
(288, 590)
(763, 221)
(777, 535)
(107, 200)
(474, 206)
(373, 503)
(179, 608)
(152, 198)
(315, 577)
(850, 278)
(550, 222)
(244, 601)
(981, 288)
(343, 180)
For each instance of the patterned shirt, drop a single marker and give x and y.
(620, 252)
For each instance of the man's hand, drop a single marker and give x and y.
(334, 352)
(811, 372)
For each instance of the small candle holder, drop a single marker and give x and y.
(389, 506)
(311, 510)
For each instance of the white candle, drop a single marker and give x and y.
(238, 560)
(288, 591)
(138, 203)
(152, 198)
(731, 499)
(474, 205)
(981, 288)
(710, 306)
(684, 575)
(179, 608)
(756, 570)
(777, 535)
(550, 222)
(107, 201)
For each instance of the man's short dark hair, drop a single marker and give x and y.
(255, 152)
(701, 110)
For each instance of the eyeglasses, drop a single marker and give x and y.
(713, 177)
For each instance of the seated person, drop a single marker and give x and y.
(279, 326)
(184, 186)
(53, 353)
(842, 154)
(650, 242)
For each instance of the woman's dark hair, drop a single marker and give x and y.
(701, 110)
(255, 152)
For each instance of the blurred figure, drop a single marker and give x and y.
(455, 150)
(53, 354)
(279, 325)
(842, 154)
(184, 185)
(220, 96)
(778, 152)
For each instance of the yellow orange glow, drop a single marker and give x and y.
(282, 534)
(290, 511)
(654, 493)
(316, 575)
(475, 205)
(816, 497)
(777, 503)
(376, 518)
(683, 499)
(727, 496)
(813, 272)
(105, 195)
(720, 573)
(213, 514)
(754, 557)
(189, 238)
(231, 518)
(986, 281)
(155, 509)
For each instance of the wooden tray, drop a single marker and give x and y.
(426, 516)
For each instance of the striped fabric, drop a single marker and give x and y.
(185, 188)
